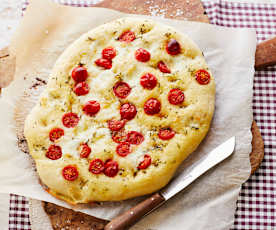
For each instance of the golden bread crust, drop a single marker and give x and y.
(190, 121)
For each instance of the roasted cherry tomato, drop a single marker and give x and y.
(173, 47)
(123, 149)
(176, 96)
(135, 138)
(79, 74)
(96, 166)
(163, 67)
(70, 172)
(148, 81)
(85, 150)
(119, 137)
(202, 77)
(128, 111)
(91, 108)
(166, 134)
(115, 125)
(105, 63)
(54, 152)
(145, 163)
(81, 88)
(152, 106)
(70, 120)
(127, 36)
(109, 53)
(121, 89)
(142, 55)
(55, 134)
(111, 168)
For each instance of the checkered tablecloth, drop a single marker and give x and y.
(256, 206)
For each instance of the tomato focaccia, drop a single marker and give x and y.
(125, 104)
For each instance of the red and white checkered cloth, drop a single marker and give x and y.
(256, 206)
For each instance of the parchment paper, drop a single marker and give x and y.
(209, 203)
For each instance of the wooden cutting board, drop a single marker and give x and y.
(62, 218)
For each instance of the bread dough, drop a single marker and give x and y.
(190, 120)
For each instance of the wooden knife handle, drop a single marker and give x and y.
(265, 54)
(134, 214)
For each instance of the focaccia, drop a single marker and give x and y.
(124, 105)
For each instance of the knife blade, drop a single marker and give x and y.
(131, 216)
(213, 158)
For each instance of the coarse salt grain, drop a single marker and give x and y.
(156, 11)
(179, 12)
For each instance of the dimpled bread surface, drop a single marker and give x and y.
(190, 120)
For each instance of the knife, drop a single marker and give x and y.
(130, 217)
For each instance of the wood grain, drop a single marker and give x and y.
(131, 216)
(64, 218)
(265, 54)
(257, 154)
(191, 10)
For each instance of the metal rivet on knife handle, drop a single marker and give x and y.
(131, 216)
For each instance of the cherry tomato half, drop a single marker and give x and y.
(145, 163)
(55, 134)
(135, 138)
(202, 77)
(96, 166)
(152, 106)
(173, 47)
(127, 36)
(70, 172)
(128, 111)
(70, 120)
(79, 74)
(176, 96)
(166, 134)
(111, 168)
(54, 152)
(85, 150)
